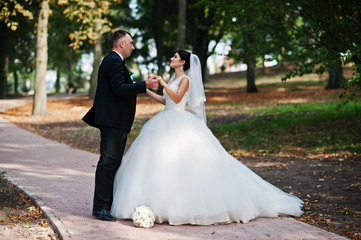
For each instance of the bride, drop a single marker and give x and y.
(178, 168)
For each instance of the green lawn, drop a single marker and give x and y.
(305, 128)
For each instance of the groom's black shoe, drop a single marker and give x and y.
(104, 215)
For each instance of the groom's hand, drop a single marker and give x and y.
(152, 81)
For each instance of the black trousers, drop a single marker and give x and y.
(112, 144)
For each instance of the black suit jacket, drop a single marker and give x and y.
(116, 95)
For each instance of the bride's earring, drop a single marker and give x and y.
(181, 68)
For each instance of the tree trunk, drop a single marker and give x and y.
(39, 106)
(158, 23)
(335, 76)
(69, 65)
(4, 59)
(251, 86)
(202, 38)
(16, 82)
(69, 60)
(181, 37)
(250, 60)
(97, 56)
(201, 50)
(57, 82)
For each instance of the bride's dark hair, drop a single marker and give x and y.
(184, 55)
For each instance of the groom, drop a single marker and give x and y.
(113, 113)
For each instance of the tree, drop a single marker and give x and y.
(334, 35)
(39, 105)
(62, 57)
(9, 18)
(11, 13)
(4, 59)
(97, 55)
(21, 56)
(93, 23)
(155, 27)
(256, 28)
(205, 25)
(181, 35)
(158, 26)
(336, 78)
(250, 60)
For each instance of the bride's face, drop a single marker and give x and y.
(176, 61)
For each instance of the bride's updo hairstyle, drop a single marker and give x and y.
(184, 55)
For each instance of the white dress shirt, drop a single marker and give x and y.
(119, 54)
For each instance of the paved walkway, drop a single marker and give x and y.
(61, 180)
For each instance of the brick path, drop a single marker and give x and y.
(61, 180)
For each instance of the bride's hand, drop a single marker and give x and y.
(161, 81)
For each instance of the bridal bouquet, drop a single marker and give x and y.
(143, 216)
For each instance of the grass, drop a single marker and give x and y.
(238, 80)
(301, 129)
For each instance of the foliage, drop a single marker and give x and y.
(12, 11)
(293, 31)
(204, 24)
(352, 87)
(146, 36)
(21, 51)
(87, 14)
(297, 31)
(260, 19)
(155, 25)
(255, 28)
(322, 38)
(59, 30)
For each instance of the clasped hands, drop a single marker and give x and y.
(153, 81)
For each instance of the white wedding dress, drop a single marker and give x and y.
(179, 169)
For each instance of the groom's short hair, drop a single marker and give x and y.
(118, 35)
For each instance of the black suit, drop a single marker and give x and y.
(113, 113)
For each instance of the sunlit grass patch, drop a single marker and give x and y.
(312, 128)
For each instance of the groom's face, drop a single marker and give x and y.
(128, 45)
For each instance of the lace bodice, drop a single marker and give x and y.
(169, 104)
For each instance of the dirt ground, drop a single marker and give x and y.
(329, 184)
(20, 217)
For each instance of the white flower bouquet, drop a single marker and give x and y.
(143, 216)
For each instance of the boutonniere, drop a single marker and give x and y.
(131, 72)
